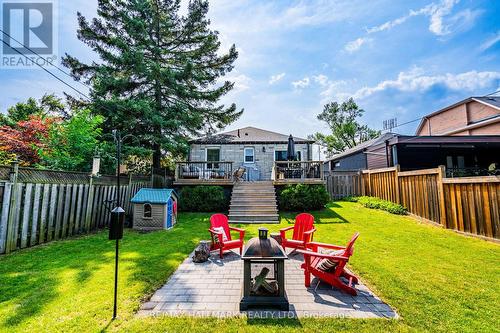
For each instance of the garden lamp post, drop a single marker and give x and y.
(117, 216)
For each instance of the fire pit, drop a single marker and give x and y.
(264, 275)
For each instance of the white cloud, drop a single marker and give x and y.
(490, 42)
(321, 79)
(356, 44)
(415, 80)
(301, 84)
(275, 78)
(241, 82)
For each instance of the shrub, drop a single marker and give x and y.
(303, 197)
(203, 199)
(377, 203)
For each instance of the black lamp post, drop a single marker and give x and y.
(117, 216)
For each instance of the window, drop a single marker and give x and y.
(213, 155)
(280, 155)
(148, 211)
(249, 155)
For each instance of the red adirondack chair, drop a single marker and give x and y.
(303, 230)
(221, 220)
(312, 259)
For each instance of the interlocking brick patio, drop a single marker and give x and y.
(213, 288)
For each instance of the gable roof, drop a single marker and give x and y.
(154, 196)
(248, 135)
(493, 101)
(363, 146)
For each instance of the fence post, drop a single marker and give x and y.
(396, 175)
(11, 233)
(442, 206)
(88, 209)
(369, 183)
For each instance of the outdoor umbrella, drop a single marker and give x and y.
(290, 151)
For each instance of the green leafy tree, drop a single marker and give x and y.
(71, 143)
(346, 131)
(159, 74)
(49, 104)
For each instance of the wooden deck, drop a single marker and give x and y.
(310, 181)
(218, 182)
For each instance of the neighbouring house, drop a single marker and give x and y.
(154, 209)
(472, 116)
(215, 158)
(461, 155)
(464, 137)
(358, 158)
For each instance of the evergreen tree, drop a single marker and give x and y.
(159, 74)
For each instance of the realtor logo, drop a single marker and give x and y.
(29, 36)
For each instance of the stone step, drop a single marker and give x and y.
(271, 211)
(263, 205)
(253, 222)
(263, 201)
(253, 217)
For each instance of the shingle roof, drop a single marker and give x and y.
(247, 135)
(154, 196)
(362, 146)
(493, 101)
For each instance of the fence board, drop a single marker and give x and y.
(52, 212)
(5, 216)
(43, 213)
(26, 215)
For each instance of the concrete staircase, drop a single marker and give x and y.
(253, 202)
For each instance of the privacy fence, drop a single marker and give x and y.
(467, 204)
(38, 206)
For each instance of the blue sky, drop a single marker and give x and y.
(400, 59)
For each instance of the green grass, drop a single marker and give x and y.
(436, 279)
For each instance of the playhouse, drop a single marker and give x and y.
(154, 209)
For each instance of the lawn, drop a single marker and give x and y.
(436, 279)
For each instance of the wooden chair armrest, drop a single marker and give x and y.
(308, 235)
(287, 228)
(219, 234)
(241, 231)
(315, 245)
(322, 255)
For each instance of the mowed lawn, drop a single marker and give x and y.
(436, 279)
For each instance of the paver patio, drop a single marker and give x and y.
(213, 288)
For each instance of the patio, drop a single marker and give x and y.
(213, 288)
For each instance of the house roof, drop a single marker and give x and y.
(248, 135)
(363, 146)
(154, 196)
(493, 101)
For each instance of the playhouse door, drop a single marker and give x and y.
(169, 214)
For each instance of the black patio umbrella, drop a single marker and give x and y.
(290, 151)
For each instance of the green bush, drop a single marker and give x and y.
(377, 203)
(203, 199)
(303, 197)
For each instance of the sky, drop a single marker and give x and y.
(397, 59)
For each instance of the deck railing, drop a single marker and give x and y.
(297, 170)
(204, 170)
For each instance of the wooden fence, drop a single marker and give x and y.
(467, 204)
(38, 206)
(341, 184)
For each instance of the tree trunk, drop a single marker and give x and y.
(156, 156)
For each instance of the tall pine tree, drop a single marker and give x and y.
(159, 74)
